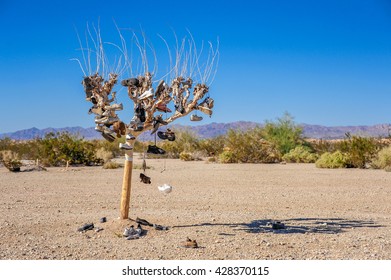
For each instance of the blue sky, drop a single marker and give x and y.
(325, 62)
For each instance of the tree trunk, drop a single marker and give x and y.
(126, 185)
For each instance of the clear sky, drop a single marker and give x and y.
(326, 62)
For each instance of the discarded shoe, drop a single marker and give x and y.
(125, 146)
(108, 137)
(204, 109)
(86, 227)
(115, 107)
(190, 243)
(195, 118)
(98, 229)
(159, 89)
(103, 220)
(165, 188)
(130, 137)
(152, 149)
(107, 120)
(146, 94)
(143, 222)
(160, 227)
(163, 108)
(130, 82)
(129, 231)
(278, 225)
(145, 179)
(168, 135)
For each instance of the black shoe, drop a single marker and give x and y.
(86, 227)
(159, 227)
(130, 82)
(145, 179)
(152, 149)
(278, 225)
(169, 135)
(103, 220)
(143, 222)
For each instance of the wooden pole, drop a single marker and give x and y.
(126, 185)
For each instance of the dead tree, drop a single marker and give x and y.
(189, 77)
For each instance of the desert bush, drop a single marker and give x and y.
(58, 149)
(103, 154)
(248, 147)
(186, 141)
(212, 147)
(111, 165)
(10, 160)
(300, 154)
(361, 150)
(383, 159)
(333, 160)
(283, 133)
(186, 156)
(227, 157)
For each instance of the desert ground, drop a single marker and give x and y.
(328, 214)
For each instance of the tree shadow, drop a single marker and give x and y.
(294, 225)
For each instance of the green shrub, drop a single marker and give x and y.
(284, 133)
(300, 154)
(227, 157)
(361, 150)
(334, 160)
(383, 159)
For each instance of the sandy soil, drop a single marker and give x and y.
(328, 214)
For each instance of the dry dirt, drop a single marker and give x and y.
(328, 214)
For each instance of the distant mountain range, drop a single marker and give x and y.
(215, 129)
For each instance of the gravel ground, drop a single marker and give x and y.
(228, 209)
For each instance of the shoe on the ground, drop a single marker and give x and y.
(130, 82)
(86, 227)
(125, 146)
(278, 225)
(146, 94)
(145, 179)
(103, 220)
(195, 118)
(115, 107)
(165, 188)
(153, 149)
(143, 222)
(129, 231)
(190, 243)
(160, 227)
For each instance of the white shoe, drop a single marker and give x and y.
(165, 188)
(124, 146)
(147, 94)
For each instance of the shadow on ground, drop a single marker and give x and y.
(295, 225)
